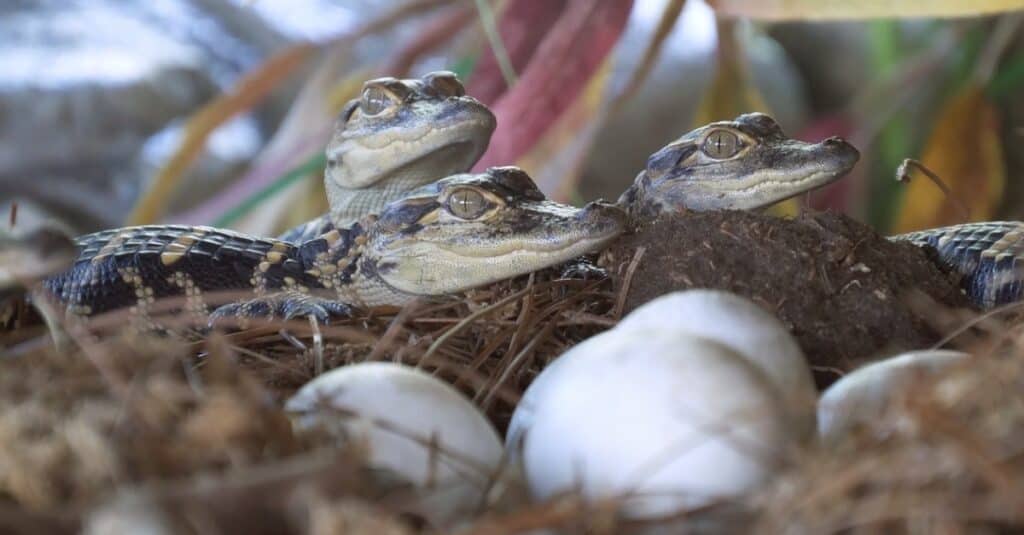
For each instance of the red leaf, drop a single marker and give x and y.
(564, 61)
(522, 26)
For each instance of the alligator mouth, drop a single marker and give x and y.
(555, 250)
(780, 190)
(431, 268)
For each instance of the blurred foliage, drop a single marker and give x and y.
(860, 9)
(550, 73)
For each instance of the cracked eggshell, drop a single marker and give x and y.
(663, 419)
(414, 408)
(863, 396)
(746, 328)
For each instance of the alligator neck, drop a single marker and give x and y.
(349, 206)
(335, 260)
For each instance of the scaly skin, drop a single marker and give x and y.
(397, 136)
(989, 255)
(693, 173)
(742, 164)
(455, 234)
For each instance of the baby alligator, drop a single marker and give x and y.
(455, 234)
(397, 136)
(749, 163)
(742, 164)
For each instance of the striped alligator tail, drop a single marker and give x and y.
(990, 255)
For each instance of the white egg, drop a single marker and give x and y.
(664, 420)
(863, 396)
(746, 328)
(399, 411)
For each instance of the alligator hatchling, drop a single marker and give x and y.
(750, 163)
(463, 231)
(455, 234)
(397, 136)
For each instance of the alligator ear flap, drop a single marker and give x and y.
(671, 156)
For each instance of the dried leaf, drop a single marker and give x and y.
(301, 136)
(965, 151)
(859, 9)
(248, 92)
(733, 93)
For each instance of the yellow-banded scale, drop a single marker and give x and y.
(987, 254)
(134, 266)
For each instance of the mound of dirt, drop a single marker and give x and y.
(838, 286)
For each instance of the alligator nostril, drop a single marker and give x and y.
(835, 140)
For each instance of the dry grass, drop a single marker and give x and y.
(189, 435)
(195, 425)
(946, 457)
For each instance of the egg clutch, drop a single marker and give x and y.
(693, 399)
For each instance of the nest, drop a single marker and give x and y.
(142, 430)
(847, 294)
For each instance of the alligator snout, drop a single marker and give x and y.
(845, 154)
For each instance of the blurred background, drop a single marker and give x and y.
(216, 112)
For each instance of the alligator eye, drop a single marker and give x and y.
(375, 100)
(467, 203)
(721, 144)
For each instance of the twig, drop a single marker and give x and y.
(494, 38)
(514, 364)
(392, 331)
(467, 321)
(318, 345)
(620, 301)
(903, 175)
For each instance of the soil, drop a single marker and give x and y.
(844, 291)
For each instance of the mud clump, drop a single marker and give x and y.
(840, 288)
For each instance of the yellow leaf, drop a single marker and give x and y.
(247, 93)
(303, 133)
(860, 9)
(965, 151)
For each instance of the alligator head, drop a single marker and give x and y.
(473, 229)
(742, 164)
(399, 135)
